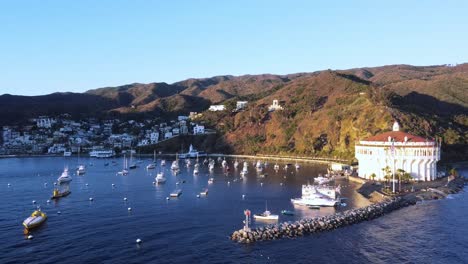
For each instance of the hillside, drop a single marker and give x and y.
(325, 112)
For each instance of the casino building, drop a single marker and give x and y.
(398, 150)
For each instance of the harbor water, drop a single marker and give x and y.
(189, 229)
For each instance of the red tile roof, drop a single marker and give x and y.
(398, 136)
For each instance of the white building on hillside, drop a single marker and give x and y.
(198, 130)
(275, 106)
(44, 122)
(398, 150)
(241, 105)
(215, 108)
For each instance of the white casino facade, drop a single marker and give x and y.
(416, 155)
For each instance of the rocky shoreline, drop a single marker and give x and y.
(346, 218)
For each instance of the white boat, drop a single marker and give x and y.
(195, 171)
(102, 153)
(160, 178)
(67, 153)
(204, 192)
(192, 153)
(276, 167)
(132, 164)
(211, 165)
(176, 193)
(322, 180)
(224, 163)
(267, 215)
(188, 163)
(317, 195)
(65, 177)
(259, 165)
(152, 166)
(163, 162)
(175, 165)
(236, 164)
(124, 171)
(36, 219)
(297, 166)
(81, 170)
(210, 180)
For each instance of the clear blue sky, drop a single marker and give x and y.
(49, 46)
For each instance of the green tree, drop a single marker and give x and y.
(372, 176)
(453, 172)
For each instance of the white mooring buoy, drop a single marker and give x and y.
(125, 198)
(167, 198)
(129, 209)
(138, 241)
(87, 184)
(48, 201)
(9, 185)
(30, 237)
(243, 196)
(198, 196)
(34, 201)
(91, 198)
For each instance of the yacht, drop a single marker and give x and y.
(322, 180)
(192, 153)
(316, 195)
(211, 165)
(224, 163)
(259, 165)
(132, 164)
(81, 170)
(65, 177)
(163, 163)
(124, 171)
(267, 215)
(36, 219)
(67, 153)
(160, 178)
(195, 171)
(175, 165)
(297, 166)
(152, 166)
(276, 167)
(236, 164)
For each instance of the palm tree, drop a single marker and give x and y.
(400, 173)
(372, 176)
(453, 172)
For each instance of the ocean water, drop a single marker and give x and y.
(196, 230)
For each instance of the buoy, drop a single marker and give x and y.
(113, 185)
(45, 183)
(48, 201)
(86, 184)
(91, 199)
(129, 209)
(30, 237)
(34, 201)
(125, 198)
(229, 182)
(138, 241)
(198, 196)
(281, 184)
(167, 198)
(243, 196)
(261, 184)
(177, 183)
(9, 185)
(55, 183)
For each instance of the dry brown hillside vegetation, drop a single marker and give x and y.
(324, 112)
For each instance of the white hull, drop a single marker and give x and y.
(270, 217)
(315, 202)
(33, 221)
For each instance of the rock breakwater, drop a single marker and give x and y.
(320, 224)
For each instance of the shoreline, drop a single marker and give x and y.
(349, 217)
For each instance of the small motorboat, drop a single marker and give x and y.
(210, 180)
(36, 219)
(65, 177)
(204, 192)
(267, 215)
(286, 212)
(81, 170)
(176, 193)
(123, 172)
(58, 194)
(150, 166)
(160, 178)
(163, 162)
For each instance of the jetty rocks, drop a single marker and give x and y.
(320, 224)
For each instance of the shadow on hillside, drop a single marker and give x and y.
(415, 102)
